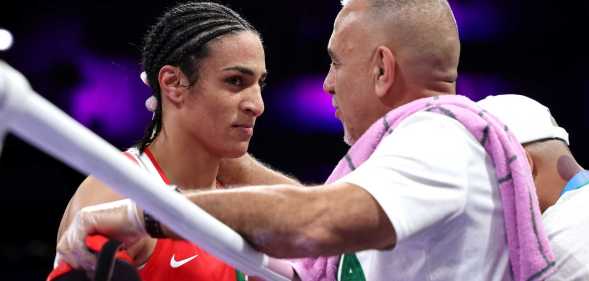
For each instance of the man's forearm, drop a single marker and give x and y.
(269, 217)
(247, 170)
(288, 221)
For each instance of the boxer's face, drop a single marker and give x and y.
(222, 106)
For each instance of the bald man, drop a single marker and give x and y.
(562, 184)
(425, 204)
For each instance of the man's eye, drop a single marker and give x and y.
(262, 84)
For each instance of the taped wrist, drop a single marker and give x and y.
(152, 226)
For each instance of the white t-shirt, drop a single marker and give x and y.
(567, 226)
(438, 187)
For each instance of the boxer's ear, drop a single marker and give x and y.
(173, 84)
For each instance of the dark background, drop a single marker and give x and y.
(84, 57)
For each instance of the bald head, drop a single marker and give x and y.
(421, 33)
(387, 53)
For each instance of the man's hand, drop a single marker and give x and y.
(120, 220)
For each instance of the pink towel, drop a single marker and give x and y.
(530, 255)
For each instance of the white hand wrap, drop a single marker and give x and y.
(118, 220)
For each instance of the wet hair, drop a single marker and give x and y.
(180, 38)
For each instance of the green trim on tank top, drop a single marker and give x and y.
(350, 268)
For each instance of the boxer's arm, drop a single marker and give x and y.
(90, 192)
(247, 170)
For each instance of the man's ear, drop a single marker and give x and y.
(383, 71)
(173, 83)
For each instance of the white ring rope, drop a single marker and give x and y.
(34, 119)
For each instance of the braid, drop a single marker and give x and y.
(180, 38)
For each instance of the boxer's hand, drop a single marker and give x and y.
(120, 220)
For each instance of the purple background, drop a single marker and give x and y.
(84, 57)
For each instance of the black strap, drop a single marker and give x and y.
(106, 260)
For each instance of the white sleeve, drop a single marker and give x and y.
(418, 173)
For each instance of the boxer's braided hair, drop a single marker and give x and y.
(180, 38)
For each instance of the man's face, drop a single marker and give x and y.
(348, 80)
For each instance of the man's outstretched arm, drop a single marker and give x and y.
(288, 221)
(284, 221)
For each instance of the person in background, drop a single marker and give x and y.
(561, 183)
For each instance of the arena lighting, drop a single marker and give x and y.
(109, 97)
(6, 39)
(307, 106)
(478, 21)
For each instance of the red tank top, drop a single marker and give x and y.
(179, 260)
